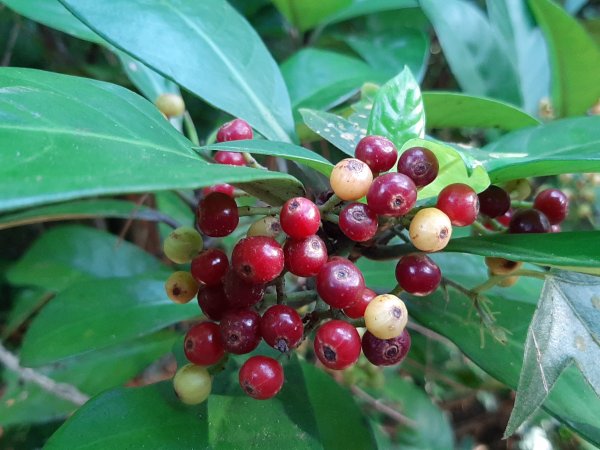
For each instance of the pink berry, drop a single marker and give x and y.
(203, 345)
(240, 331)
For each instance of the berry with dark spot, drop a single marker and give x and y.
(240, 331)
(337, 344)
(281, 327)
(358, 222)
(305, 257)
(340, 283)
(386, 316)
(181, 287)
(392, 194)
(261, 377)
(203, 344)
(378, 152)
(419, 164)
(300, 218)
(350, 179)
(257, 259)
(430, 230)
(386, 352)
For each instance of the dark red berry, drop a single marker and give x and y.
(236, 130)
(299, 218)
(217, 215)
(261, 377)
(357, 309)
(241, 294)
(358, 222)
(386, 352)
(213, 302)
(281, 327)
(340, 283)
(209, 267)
(222, 188)
(417, 274)
(419, 164)
(554, 204)
(529, 221)
(494, 201)
(460, 203)
(305, 257)
(392, 194)
(257, 259)
(240, 331)
(378, 152)
(203, 345)
(337, 344)
(230, 158)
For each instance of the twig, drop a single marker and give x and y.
(280, 289)
(332, 202)
(258, 211)
(252, 162)
(190, 128)
(429, 334)
(378, 405)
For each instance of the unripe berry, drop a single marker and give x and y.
(501, 266)
(386, 316)
(257, 259)
(182, 244)
(181, 287)
(192, 384)
(460, 203)
(171, 105)
(267, 226)
(508, 281)
(236, 130)
(340, 283)
(300, 218)
(378, 152)
(519, 189)
(209, 267)
(386, 352)
(203, 345)
(554, 204)
(392, 194)
(430, 230)
(217, 215)
(357, 309)
(261, 377)
(358, 222)
(281, 327)
(230, 158)
(419, 164)
(351, 179)
(417, 274)
(305, 257)
(337, 344)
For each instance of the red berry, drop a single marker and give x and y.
(337, 344)
(504, 219)
(281, 327)
(236, 130)
(340, 283)
(419, 164)
(554, 204)
(357, 309)
(460, 203)
(224, 188)
(241, 294)
(217, 215)
(529, 221)
(209, 267)
(240, 331)
(392, 194)
(358, 222)
(494, 201)
(230, 158)
(213, 302)
(299, 218)
(258, 259)
(417, 274)
(305, 257)
(386, 352)
(261, 377)
(378, 152)
(203, 345)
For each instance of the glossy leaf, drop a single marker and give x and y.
(551, 346)
(306, 14)
(476, 55)
(398, 112)
(193, 41)
(363, 7)
(57, 130)
(149, 83)
(340, 132)
(575, 59)
(453, 109)
(92, 315)
(24, 303)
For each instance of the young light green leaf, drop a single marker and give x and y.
(307, 14)
(340, 132)
(360, 8)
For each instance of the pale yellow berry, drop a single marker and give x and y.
(386, 316)
(351, 179)
(267, 226)
(192, 384)
(430, 230)
(182, 245)
(171, 105)
(508, 281)
(181, 287)
(501, 266)
(519, 189)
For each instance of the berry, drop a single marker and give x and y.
(508, 281)
(494, 201)
(281, 327)
(213, 302)
(209, 267)
(358, 222)
(236, 130)
(340, 283)
(386, 352)
(257, 259)
(203, 344)
(529, 221)
(241, 294)
(357, 310)
(171, 105)
(217, 215)
(240, 331)
(305, 257)
(337, 344)
(386, 316)
(192, 384)
(554, 204)
(501, 266)
(267, 226)
(519, 189)
(392, 194)
(430, 230)
(504, 219)
(417, 274)
(378, 152)
(261, 377)
(230, 158)
(182, 244)
(299, 218)
(351, 179)
(181, 287)
(460, 203)
(224, 188)
(420, 165)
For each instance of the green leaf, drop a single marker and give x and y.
(92, 315)
(25, 303)
(565, 331)
(209, 38)
(340, 132)
(398, 112)
(306, 14)
(363, 7)
(476, 55)
(63, 255)
(453, 109)
(284, 150)
(562, 146)
(574, 56)
(57, 130)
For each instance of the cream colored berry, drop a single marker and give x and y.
(501, 266)
(182, 245)
(192, 384)
(181, 287)
(351, 179)
(386, 316)
(508, 281)
(267, 226)
(171, 105)
(430, 230)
